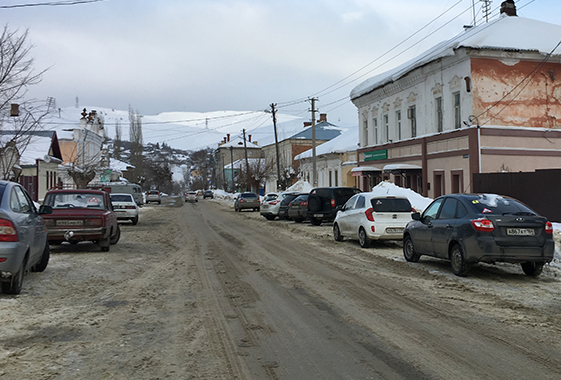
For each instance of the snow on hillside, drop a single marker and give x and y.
(184, 130)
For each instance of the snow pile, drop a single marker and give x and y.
(301, 186)
(418, 202)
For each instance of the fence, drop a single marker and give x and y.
(541, 189)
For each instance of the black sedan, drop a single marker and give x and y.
(471, 228)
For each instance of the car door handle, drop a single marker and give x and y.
(449, 226)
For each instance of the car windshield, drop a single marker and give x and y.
(496, 204)
(390, 205)
(75, 200)
(121, 198)
(248, 195)
(271, 197)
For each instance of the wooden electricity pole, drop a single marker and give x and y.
(314, 166)
(246, 163)
(280, 183)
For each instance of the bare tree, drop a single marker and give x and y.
(18, 117)
(117, 143)
(136, 145)
(253, 177)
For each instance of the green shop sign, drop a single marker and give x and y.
(376, 155)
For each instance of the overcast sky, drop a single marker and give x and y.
(241, 55)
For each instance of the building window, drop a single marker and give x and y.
(398, 124)
(387, 127)
(330, 179)
(336, 175)
(457, 111)
(365, 132)
(375, 123)
(438, 111)
(412, 116)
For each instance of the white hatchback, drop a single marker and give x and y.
(124, 207)
(369, 216)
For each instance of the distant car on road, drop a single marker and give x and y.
(23, 237)
(153, 196)
(245, 201)
(370, 216)
(125, 207)
(298, 208)
(208, 194)
(81, 215)
(191, 196)
(471, 228)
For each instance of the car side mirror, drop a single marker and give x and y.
(44, 209)
(416, 216)
(340, 208)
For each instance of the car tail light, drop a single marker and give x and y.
(8, 231)
(3, 259)
(484, 225)
(333, 204)
(93, 222)
(304, 203)
(241, 200)
(130, 207)
(548, 227)
(273, 203)
(369, 213)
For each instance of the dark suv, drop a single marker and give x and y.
(323, 202)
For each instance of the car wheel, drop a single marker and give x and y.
(532, 269)
(15, 284)
(298, 220)
(42, 264)
(336, 233)
(134, 220)
(314, 203)
(363, 239)
(270, 217)
(115, 238)
(409, 250)
(458, 262)
(105, 243)
(55, 242)
(315, 221)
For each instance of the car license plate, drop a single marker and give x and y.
(520, 231)
(318, 215)
(394, 231)
(69, 222)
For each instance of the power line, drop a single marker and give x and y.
(50, 3)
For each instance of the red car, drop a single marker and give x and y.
(81, 215)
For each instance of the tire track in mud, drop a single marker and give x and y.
(436, 335)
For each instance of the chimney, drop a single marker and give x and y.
(249, 137)
(307, 124)
(508, 8)
(322, 117)
(228, 136)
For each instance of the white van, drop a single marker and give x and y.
(121, 187)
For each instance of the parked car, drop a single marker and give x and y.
(270, 206)
(153, 196)
(208, 194)
(283, 208)
(125, 207)
(81, 215)
(23, 237)
(323, 202)
(370, 216)
(298, 208)
(191, 196)
(471, 228)
(246, 201)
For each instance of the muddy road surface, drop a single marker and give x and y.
(198, 291)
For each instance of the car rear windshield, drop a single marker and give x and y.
(154, 192)
(75, 200)
(2, 188)
(289, 198)
(248, 195)
(391, 205)
(496, 204)
(345, 193)
(121, 198)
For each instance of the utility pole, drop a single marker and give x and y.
(246, 163)
(274, 113)
(232, 166)
(314, 166)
